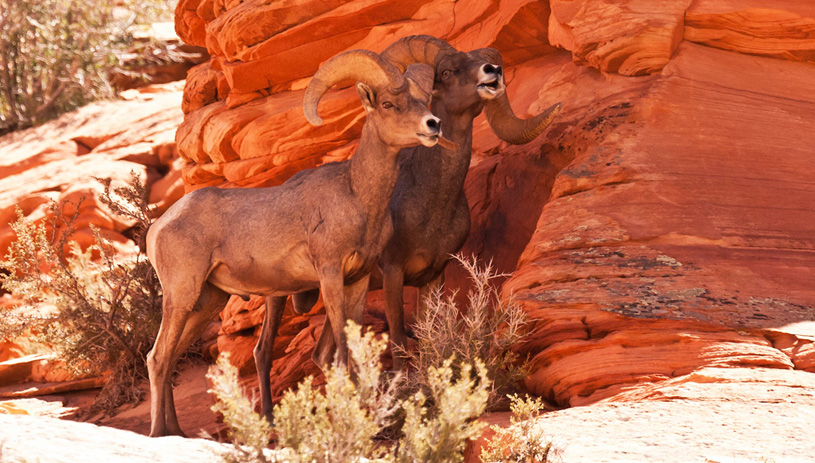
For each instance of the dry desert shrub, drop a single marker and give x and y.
(434, 409)
(105, 309)
(248, 431)
(340, 424)
(483, 331)
(522, 441)
(57, 55)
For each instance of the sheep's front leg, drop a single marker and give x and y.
(393, 277)
(333, 291)
(355, 299)
(354, 302)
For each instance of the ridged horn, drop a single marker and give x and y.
(420, 80)
(359, 65)
(510, 127)
(416, 49)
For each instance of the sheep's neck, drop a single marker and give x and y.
(448, 168)
(373, 172)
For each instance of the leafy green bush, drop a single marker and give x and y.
(485, 331)
(57, 55)
(106, 311)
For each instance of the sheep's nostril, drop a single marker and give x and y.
(489, 69)
(499, 70)
(433, 124)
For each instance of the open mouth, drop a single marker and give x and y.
(490, 88)
(428, 140)
(492, 85)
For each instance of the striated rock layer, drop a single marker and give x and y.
(664, 223)
(683, 237)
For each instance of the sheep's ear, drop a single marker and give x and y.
(366, 94)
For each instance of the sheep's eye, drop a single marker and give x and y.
(387, 105)
(446, 73)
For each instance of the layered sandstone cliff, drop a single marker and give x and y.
(664, 223)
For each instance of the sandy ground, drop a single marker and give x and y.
(712, 416)
(37, 439)
(684, 431)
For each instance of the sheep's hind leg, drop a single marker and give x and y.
(303, 302)
(160, 362)
(263, 351)
(211, 301)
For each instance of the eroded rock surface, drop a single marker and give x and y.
(663, 223)
(58, 161)
(28, 438)
(715, 415)
(661, 231)
(683, 237)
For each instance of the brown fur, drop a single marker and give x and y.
(324, 229)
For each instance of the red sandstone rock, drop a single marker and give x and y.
(58, 160)
(259, 52)
(786, 31)
(631, 37)
(636, 226)
(19, 370)
(661, 225)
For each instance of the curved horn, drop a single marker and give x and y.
(415, 49)
(360, 65)
(512, 129)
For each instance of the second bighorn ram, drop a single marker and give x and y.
(431, 216)
(323, 230)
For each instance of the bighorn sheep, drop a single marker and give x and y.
(431, 217)
(430, 214)
(323, 230)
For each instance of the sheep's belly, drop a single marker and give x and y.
(280, 281)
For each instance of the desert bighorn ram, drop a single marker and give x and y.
(430, 214)
(322, 230)
(431, 217)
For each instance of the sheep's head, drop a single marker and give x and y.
(466, 83)
(396, 104)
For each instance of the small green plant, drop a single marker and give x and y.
(485, 331)
(105, 309)
(342, 423)
(522, 441)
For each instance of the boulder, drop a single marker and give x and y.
(19, 370)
